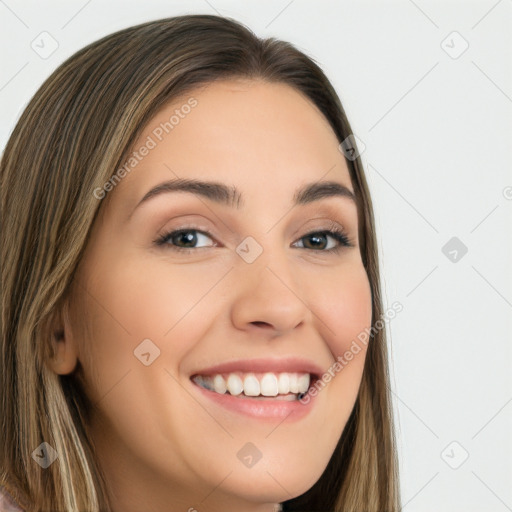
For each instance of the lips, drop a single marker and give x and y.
(254, 384)
(287, 405)
(272, 365)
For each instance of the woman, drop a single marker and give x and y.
(141, 371)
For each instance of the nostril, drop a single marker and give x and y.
(261, 324)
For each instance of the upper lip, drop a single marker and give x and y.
(288, 365)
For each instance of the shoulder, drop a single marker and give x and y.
(7, 503)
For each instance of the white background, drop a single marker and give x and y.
(438, 137)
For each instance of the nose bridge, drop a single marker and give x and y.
(266, 258)
(266, 289)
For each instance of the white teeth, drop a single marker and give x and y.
(284, 383)
(251, 385)
(294, 383)
(267, 385)
(303, 383)
(234, 384)
(219, 384)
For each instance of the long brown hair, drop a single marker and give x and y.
(72, 137)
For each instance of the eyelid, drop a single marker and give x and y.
(334, 230)
(160, 240)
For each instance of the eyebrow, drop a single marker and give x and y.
(232, 197)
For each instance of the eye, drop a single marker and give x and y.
(189, 237)
(341, 239)
(186, 240)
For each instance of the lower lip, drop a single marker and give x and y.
(260, 409)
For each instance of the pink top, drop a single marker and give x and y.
(7, 503)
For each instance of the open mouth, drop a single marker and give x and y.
(286, 386)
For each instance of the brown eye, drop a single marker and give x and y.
(319, 243)
(183, 239)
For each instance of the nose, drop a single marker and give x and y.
(267, 296)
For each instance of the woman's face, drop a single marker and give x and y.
(253, 283)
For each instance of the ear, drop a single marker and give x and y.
(64, 346)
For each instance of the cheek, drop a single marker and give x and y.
(138, 300)
(345, 310)
(345, 307)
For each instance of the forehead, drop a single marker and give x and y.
(255, 135)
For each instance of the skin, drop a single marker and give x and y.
(161, 445)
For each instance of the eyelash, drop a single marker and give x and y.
(334, 231)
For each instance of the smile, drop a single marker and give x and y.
(285, 385)
(260, 395)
